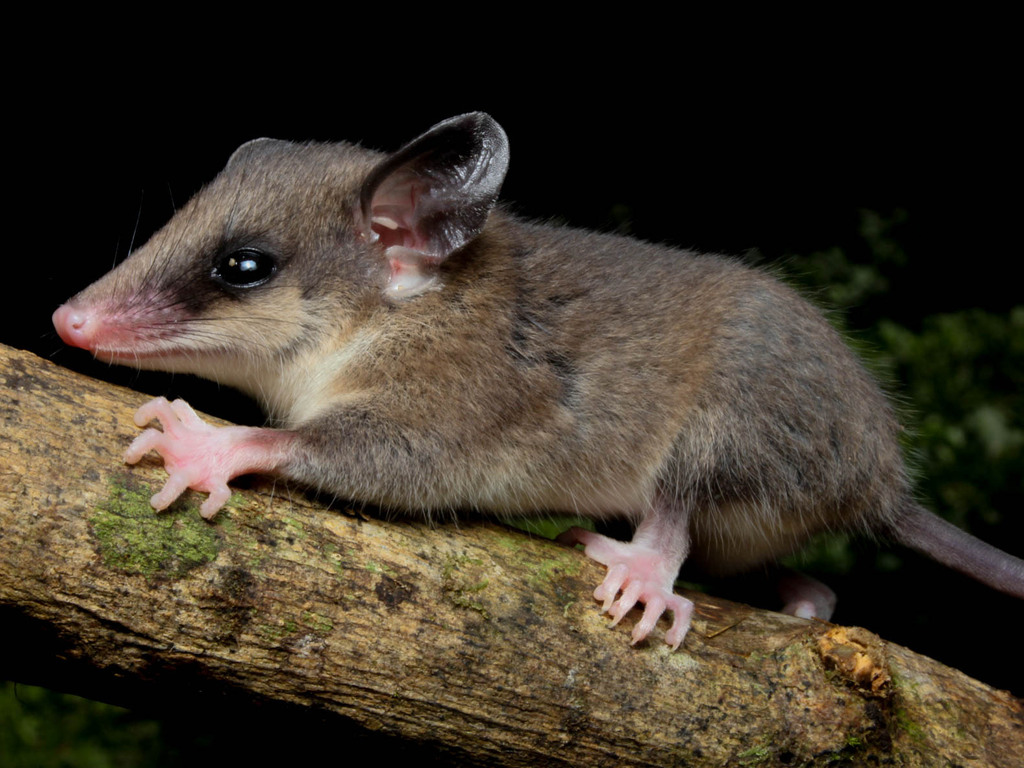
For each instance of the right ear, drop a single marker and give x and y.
(433, 196)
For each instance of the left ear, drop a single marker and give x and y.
(433, 196)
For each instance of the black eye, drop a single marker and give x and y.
(244, 268)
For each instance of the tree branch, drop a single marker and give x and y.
(474, 639)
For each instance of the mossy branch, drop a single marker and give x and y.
(473, 640)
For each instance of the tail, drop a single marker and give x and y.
(940, 540)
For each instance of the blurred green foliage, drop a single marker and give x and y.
(41, 728)
(842, 278)
(961, 373)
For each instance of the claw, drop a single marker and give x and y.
(652, 612)
(630, 595)
(607, 591)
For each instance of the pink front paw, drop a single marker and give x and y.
(636, 574)
(188, 446)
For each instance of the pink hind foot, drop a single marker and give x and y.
(636, 574)
(804, 596)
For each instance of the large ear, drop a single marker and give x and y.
(433, 195)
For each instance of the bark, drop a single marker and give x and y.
(475, 641)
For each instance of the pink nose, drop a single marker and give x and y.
(75, 327)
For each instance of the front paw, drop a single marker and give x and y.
(192, 451)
